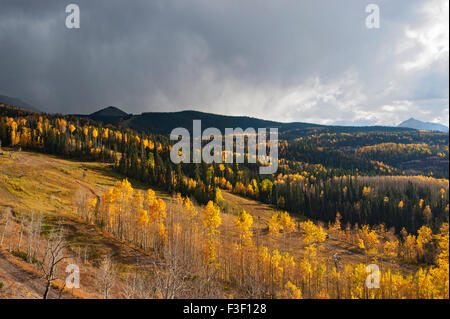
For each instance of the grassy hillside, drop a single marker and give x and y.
(34, 183)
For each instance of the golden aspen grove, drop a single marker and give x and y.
(194, 233)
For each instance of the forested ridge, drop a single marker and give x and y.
(365, 186)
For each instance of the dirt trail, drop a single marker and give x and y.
(22, 283)
(126, 253)
(31, 159)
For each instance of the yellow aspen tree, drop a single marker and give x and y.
(291, 291)
(219, 200)
(263, 258)
(366, 191)
(274, 225)
(441, 272)
(424, 236)
(254, 184)
(368, 240)
(423, 284)
(288, 266)
(143, 222)
(145, 143)
(312, 233)
(158, 211)
(281, 222)
(149, 199)
(25, 137)
(336, 277)
(109, 205)
(307, 266)
(357, 282)
(390, 248)
(62, 124)
(222, 168)
(179, 199)
(151, 145)
(211, 222)
(427, 214)
(410, 248)
(136, 205)
(189, 208)
(158, 214)
(336, 227)
(243, 222)
(39, 127)
(123, 193)
(143, 217)
(421, 203)
(305, 270)
(277, 269)
(105, 133)
(13, 127)
(162, 233)
(91, 205)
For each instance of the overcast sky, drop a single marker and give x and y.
(310, 61)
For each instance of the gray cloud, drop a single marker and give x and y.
(284, 60)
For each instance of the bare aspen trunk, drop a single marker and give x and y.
(21, 235)
(47, 289)
(5, 227)
(37, 235)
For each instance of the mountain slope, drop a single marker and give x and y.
(17, 102)
(165, 122)
(419, 125)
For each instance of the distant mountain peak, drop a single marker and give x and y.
(419, 125)
(110, 111)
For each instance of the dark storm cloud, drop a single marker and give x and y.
(283, 60)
